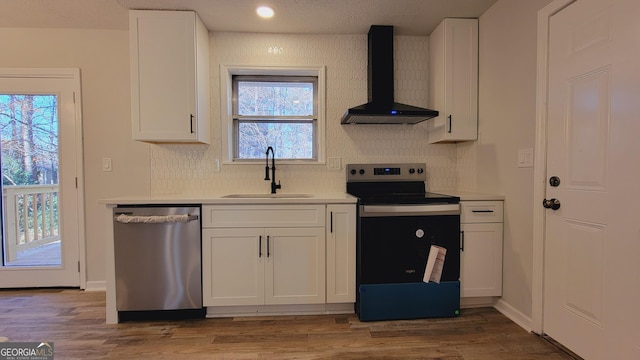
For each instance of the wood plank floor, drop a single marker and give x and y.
(75, 322)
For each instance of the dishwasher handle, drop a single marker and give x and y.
(154, 219)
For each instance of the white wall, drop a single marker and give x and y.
(189, 169)
(103, 59)
(507, 88)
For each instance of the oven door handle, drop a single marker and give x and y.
(408, 210)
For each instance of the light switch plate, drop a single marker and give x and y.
(525, 157)
(334, 163)
(106, 164)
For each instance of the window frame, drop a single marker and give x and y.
(238, 119)
(228, 136)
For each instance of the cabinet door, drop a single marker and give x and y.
(454, 86)
(233, 266)
(481, 260)
(341, 253)
(164, 78)
(295, 266)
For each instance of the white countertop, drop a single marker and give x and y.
(280, 198)
(470, 195)
(262, 199)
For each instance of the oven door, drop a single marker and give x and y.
(395, 240)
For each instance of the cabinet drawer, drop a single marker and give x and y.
(480, 211)
(263, 216)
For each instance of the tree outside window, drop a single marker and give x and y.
(277, 111)
(29, 132)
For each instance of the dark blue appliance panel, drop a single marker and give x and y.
(408, 301)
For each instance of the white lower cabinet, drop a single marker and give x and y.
(481, 252)
(263, 266)
(274, 259)
(278, 254)
(341, 253)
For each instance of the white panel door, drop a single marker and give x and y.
(592, 242)
(233, 267)
(43, 217)
(295, 266)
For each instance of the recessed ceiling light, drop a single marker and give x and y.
(264, 11)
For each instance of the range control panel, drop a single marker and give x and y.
(386, 172)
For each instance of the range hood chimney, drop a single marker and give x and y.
(381, 108)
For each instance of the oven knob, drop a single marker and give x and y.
(412, 170)
(353, 171)
(420, 170)
(361, 171)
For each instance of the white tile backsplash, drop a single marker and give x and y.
(190, 169)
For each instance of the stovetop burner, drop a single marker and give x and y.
(425, 198)
(402, 183)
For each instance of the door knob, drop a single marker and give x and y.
(553, 204)
(554, 181)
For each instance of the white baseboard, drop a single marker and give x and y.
(475, 302)
(96, 286)
(514, 315)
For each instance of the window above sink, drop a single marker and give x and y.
(273, 106)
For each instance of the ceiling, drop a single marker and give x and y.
(409, 17)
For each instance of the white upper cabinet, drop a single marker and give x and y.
(169, 76)
(453, 86)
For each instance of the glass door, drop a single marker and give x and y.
(29, 134)
(41, 199)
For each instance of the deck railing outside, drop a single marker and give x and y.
(31, 215)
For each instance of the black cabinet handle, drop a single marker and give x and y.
(449, 131)
(331, 221)
(191, 122)
(260, 247)
(482, 211)
(461, 240)
(268, 245)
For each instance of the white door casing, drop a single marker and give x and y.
(65, 83)
(589, 250)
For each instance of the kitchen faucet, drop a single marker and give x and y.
(274, 186)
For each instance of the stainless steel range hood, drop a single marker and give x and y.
(381, 108)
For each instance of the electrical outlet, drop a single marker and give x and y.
(106, 164)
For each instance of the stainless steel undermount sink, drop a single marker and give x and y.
(267, 196)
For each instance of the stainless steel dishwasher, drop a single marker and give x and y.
(158, 261)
